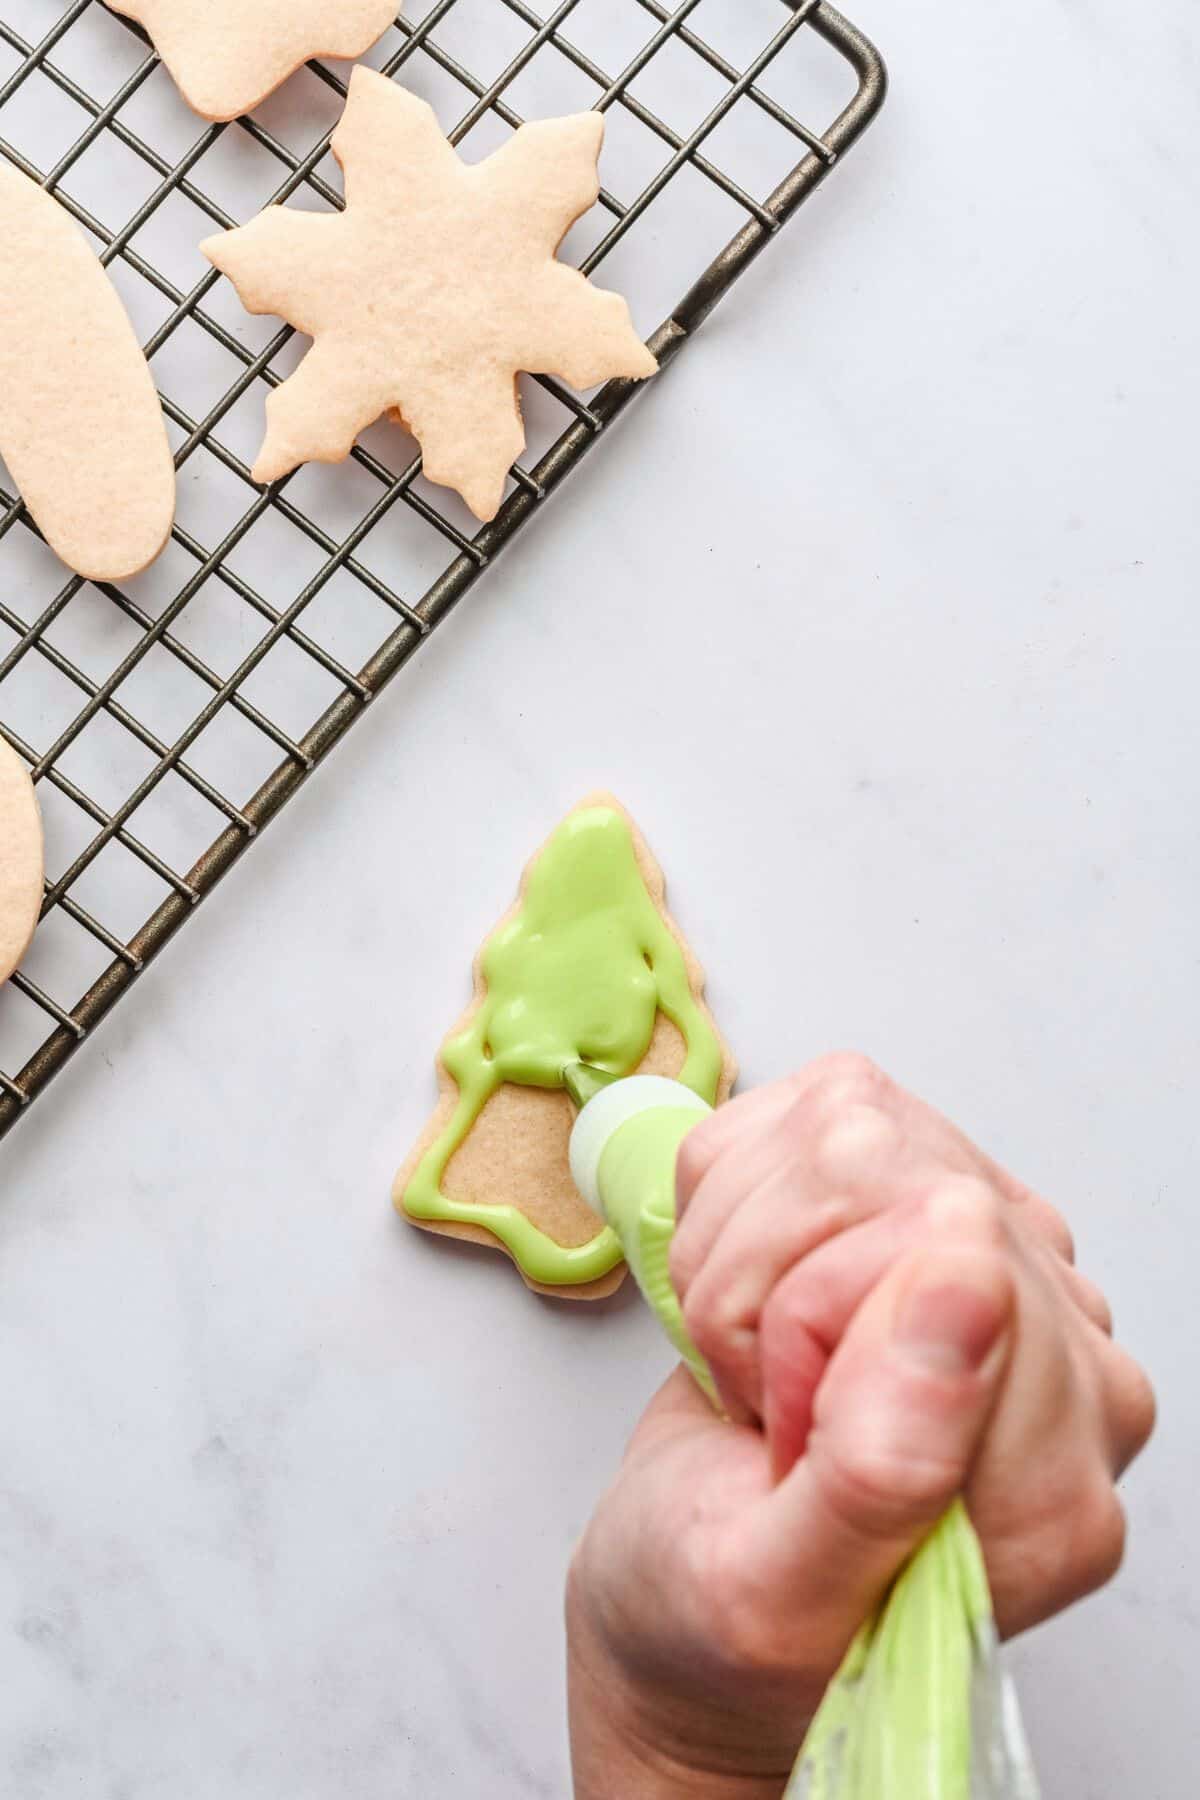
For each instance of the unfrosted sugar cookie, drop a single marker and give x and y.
(227, 55)
(81, 425)
(428, 294)
(21, 870)
(587, 967)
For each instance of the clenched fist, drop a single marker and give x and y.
(892, 1320)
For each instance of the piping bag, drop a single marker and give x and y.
(920, 1708)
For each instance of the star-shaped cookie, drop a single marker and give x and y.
(227, 55)
(428, 294)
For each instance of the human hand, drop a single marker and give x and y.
(891, 1320)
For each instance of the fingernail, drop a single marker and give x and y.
(950, 1327)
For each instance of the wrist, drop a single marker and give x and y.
(620, 1745)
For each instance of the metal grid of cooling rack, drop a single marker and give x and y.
(171, 794)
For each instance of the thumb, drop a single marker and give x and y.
(897, 1421)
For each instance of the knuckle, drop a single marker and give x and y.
(712, 1312)
(845, 1077)
(967, 1207)
(1049, 1562)
(1040, 1217)
(1134, 1408)
(1092, 1302)
(701, 1321)
(855, 1137)
(1098, 1539)
(692, 1164)
(877, 1493)
(1026, 1572)
(1144, 1408)
(1057, 1233)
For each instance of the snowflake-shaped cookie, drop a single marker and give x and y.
(227, 55)
(428, 294)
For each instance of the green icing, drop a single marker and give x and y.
(896, 1721)
(576, 975)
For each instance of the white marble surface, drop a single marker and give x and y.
(882, 616)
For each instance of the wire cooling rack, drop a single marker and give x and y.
(167, 720)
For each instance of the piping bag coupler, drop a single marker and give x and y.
(623, 1152)
(921, 1708)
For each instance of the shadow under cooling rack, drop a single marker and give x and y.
(167, 720)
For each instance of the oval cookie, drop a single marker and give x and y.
(20, 860)
(225, 56)
(81, 426)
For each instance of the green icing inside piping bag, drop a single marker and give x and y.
(577, 974)
(896, 1721)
